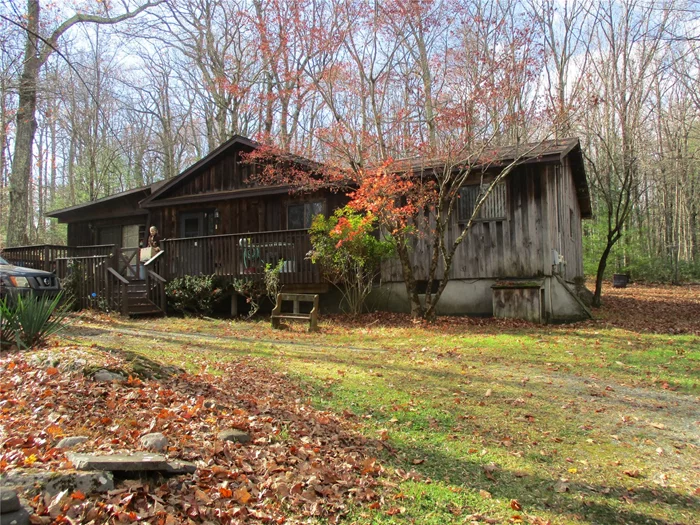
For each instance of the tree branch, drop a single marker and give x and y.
(80, 18)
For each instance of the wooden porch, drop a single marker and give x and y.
(115, 277)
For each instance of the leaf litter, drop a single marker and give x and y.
(301, 463)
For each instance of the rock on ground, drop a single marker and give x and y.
(136, 462)
(18, 517)
(54, 482)
(9, 501)
(106, 375)
(235, 435)
(71, 441)
(155, 441)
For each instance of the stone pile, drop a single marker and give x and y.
(11, 510)
(93, 473)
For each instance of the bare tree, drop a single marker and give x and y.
(628, 37)
(38, 49)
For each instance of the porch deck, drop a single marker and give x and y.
(111, 272)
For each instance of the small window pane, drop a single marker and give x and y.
(295, 217)
(191, 227)
(571, 223)
(142, 234)
(311, 210)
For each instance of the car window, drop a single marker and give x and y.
(3, 261)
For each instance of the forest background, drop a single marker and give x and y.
(129, 93)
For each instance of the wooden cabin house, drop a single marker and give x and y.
(525, 250)
(519, 259)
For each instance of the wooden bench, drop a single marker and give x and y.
(296, 298)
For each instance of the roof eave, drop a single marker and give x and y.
(56, 214)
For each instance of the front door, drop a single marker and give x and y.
(192, 255)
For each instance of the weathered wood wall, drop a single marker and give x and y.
(86, 233)
(226, 173)
(568, 235)
(258, 214)
(541, 202)
(519, 303)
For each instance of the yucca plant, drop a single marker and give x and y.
(7, 320)
(28, 321)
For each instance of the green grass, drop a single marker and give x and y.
(482, 414)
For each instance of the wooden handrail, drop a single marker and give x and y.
(25, 246)
(82, 257)
(157, 277)
(116, 274)
(154, 258)
(228, 235)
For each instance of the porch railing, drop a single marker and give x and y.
(239, 255)
(91, 285)
(44, 256)
(233, 256)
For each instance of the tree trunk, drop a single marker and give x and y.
(24, 137)
(3, 134)
(411, 290)
(601, 269)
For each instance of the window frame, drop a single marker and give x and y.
(483, 188)
(572, 216)
(304, 205)
(207, 218)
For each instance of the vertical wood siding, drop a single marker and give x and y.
(226, 173)
(538, 201)
(570, 235)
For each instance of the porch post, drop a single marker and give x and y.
(234, 304)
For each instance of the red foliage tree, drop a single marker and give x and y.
(435, 82)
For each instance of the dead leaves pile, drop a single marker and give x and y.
(301, 462)
(660, 309)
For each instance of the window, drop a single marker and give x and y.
(191, 227)
(300, 216)
(130, 236)
(142, 233)
(571, 223)
(198, 223)
(493, 208)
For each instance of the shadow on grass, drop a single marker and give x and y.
(424, 377)
(536, 493)
(135, 364)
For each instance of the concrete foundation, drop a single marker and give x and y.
(461, 297)
(556, 300)
(564, 305)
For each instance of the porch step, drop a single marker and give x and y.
(145, 309)
(138, 302)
